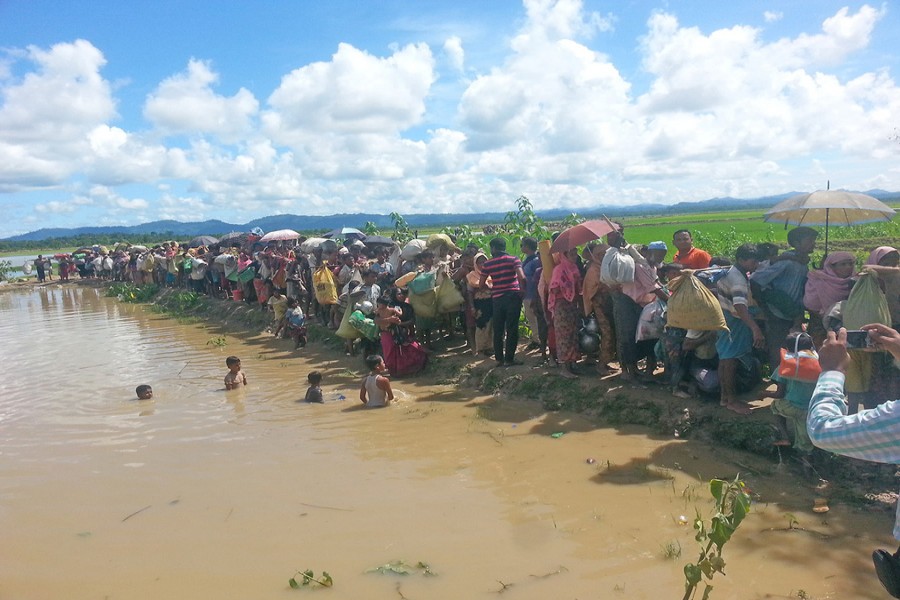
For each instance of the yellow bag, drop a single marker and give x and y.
(546, 260)
(448, 297)
(866, 304)
(326, 289)
(425, 304)
(345, 330)
(693, 306)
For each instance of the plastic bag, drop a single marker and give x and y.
(799, 365)
(326, 289)
(345, 330)
(866, 304)
(448, 297)
(617, 267)
(412, 249)
(651, 322)
(425, 304)
(693, 306)
(421, 283)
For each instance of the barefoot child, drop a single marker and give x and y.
(235, 377)
(375, 390)
(314, 393)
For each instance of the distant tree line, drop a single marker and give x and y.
(72, 242)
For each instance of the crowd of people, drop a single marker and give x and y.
(607, 306)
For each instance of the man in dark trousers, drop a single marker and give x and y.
(508, 280)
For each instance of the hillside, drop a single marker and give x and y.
(312, 224)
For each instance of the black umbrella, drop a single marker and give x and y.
(235, 237)
(378, 240)
(202, 240)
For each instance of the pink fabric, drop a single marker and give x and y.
(824, 288)
(408, 359)
(645, 282)
(565, 282)
(879, 253)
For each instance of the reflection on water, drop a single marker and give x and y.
(200, 493)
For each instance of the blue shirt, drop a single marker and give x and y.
(529, 267)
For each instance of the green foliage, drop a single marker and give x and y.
(402, 231)
(308, 579)
(218, 342)
(732, 506)
(725, 242)
(129, 292)
(5, 269)
(181, 301)
(400, 567)
(370, 228)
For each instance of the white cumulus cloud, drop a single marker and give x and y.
(454, 52)
(186, 103)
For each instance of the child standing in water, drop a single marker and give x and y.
(375, 390)
(235, 377)
(314, 393)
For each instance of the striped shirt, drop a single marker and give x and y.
(869, 435)
(503, 271)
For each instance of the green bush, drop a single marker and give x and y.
(129, 292)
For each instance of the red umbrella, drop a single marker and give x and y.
(582, 233)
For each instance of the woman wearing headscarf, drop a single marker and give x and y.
(598, 300)
(564, 303)
(482, 306)
(885, 261)
(826, 287)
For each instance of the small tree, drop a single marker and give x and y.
(732, 505)
(5, 270)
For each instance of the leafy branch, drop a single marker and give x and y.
(308, 578)
(732, 505)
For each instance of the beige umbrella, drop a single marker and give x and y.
(280, 235)
(829, 207)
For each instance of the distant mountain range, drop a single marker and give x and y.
(303, 223)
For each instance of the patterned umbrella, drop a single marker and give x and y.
(281, 234)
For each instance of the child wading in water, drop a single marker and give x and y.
(314, 393)
(375, 390)
(144, 392)
(235, 377)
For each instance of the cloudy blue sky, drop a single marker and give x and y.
(118, 112)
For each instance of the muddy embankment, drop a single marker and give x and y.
(605, 401)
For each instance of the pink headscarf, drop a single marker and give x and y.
(879, 253)
(824, 288)
(565, 282)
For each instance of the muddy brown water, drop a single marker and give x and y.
(200, 493)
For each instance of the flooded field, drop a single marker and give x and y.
(200, 493)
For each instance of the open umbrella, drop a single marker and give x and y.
(234, 238)
(582, 233)
(344, 231)
(310, 244)
(378, 240)
(281, 234)
(829, 207)
(202, 240)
